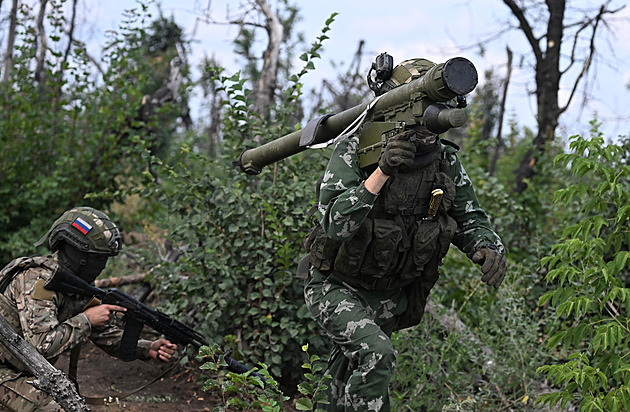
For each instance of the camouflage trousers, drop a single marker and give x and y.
(18, 395)
(360, 323)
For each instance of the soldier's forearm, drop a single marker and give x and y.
(375, 182)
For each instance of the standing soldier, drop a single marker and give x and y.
(384, 230)
(81, 240)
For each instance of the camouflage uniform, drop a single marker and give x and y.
(53, 323)
(358, 319)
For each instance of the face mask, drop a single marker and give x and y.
(93, 268)
(81, 264)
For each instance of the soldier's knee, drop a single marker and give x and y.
(19, 395)
(379, 353)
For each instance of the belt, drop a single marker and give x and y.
(373, 283)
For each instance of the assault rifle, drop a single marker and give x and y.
(137, 315)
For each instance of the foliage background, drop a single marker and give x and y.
(223, 246)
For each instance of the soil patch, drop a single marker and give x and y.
(177, 389)
(103, 376)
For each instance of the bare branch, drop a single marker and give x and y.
(46, 377)
(120, 281)
(96, 63)
(594, 22)
(526, 28)
(71, 31)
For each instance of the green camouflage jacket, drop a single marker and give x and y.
(344, 202)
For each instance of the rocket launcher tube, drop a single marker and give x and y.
(406, 103)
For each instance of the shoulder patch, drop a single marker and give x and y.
(41, 293)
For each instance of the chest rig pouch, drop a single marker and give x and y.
(399, 241)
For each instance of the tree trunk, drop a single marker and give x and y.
(47, 378)
(8, 59)
(42, 44)
(547, 82)
(213, 131)
(268, 81)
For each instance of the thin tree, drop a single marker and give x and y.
(255, 16)
(73, 19)
(546, 50)
(8, 59)
(499, 142)
(42, 43)
(265, 88)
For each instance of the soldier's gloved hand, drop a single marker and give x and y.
(398, 151)
(493, 265)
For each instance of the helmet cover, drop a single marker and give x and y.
(405, 72)
(86, 229)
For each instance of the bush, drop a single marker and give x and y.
(588, 267)
(66, 134)
(241, 236)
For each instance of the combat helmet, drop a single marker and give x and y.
(86, 229)
(382, 77)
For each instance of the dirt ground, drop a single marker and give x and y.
(101, 375)
(178, 390)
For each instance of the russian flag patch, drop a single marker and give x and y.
(81, 225)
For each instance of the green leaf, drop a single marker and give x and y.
(303, 404)
(306, 388)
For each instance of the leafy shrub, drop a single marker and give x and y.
(589, 268)
(241, 245)
(66, 134)
(247, 391)
(488, 362)
(241, 236)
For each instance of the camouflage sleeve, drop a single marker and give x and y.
(344, 202)
(52, 331)
(39, 317)
(473, 225)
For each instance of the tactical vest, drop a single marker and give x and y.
(398, 242)
(7, 308)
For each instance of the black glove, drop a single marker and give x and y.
(398, 151)
(493, 265)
